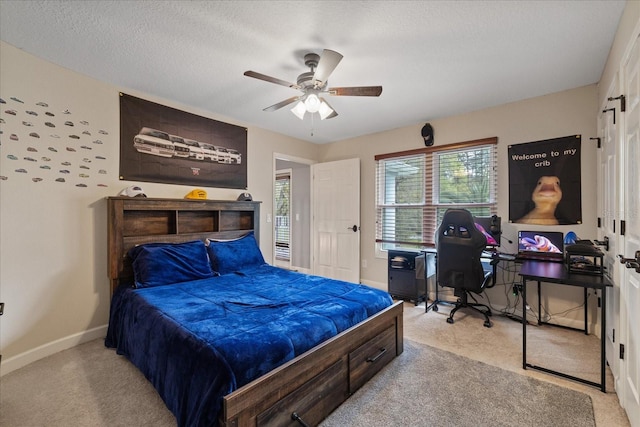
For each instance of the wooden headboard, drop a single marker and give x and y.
(137, 220)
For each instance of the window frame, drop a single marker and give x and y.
(431, 202)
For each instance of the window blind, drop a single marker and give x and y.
(415, 188)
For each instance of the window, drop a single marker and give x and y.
(415, 188)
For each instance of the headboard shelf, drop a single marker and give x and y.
(136, 221)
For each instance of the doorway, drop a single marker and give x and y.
(292, 213)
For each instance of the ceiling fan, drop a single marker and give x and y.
(313, 84)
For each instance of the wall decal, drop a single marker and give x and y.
(545, 182)
(23, 119)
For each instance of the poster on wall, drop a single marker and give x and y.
(544, 182)
(166, 145)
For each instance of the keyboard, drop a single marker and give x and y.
(498, 255)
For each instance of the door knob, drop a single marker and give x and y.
(354, 228)
(631, 262)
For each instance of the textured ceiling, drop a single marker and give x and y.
(433, 58)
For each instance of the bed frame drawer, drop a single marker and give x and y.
(312, 401)
(370, 357)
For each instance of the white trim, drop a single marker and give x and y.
(594, 328)
(301, 270)
(288, 158)
(378, 285)
(33, 355)
(278, 262)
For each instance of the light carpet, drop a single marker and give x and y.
(90, 385)
(430, 387)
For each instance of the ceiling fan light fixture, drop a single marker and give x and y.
(312, 103)
(324, 110)
(299, 110)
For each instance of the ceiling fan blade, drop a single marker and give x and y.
(270, 79)
(328, 62)
(355, 91)
(281, 104)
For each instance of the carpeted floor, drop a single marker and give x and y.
(431, 387)
(481, 384)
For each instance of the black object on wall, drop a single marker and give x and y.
(427, 135)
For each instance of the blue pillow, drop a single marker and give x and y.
(234, 255)
(158, 264)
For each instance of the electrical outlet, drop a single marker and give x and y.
(517, 289)
(364, 263)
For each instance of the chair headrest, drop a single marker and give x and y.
(459, 223)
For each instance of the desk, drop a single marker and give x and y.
(556, 272)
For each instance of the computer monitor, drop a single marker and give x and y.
(545, 245)
(491, 227)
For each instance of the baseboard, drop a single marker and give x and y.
(300, 269)
(592, 326)
(378, 285)
(23, 359)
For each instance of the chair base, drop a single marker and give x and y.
(463, 303)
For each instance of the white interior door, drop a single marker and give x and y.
(608, 212)
(336, 219)
(630, 283)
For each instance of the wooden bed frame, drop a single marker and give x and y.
(305, 389)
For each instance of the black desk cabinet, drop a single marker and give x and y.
(406, 270)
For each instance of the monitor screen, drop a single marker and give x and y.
(541, 241)
(490, 227)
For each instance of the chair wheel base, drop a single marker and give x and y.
(449, 320)
(488, 324)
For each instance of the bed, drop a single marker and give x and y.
(199, 336)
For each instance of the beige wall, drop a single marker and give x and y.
(628, 23)
(556, 115)
(53, 260)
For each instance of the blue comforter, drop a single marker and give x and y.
(199, 341)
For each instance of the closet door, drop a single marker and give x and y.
(608, 214)
(630, 280)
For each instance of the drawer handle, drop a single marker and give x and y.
(296, 417)
(378, 356)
